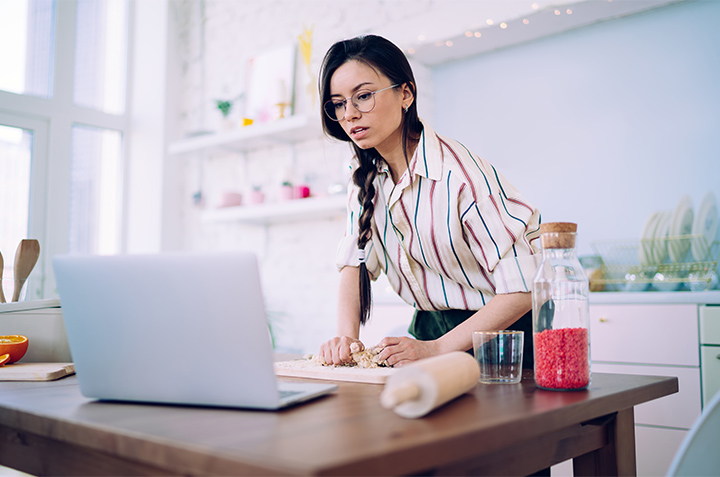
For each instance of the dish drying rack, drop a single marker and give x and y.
(665, 264)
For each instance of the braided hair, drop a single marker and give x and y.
(386, 58)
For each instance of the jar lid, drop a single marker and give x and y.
(558, 234)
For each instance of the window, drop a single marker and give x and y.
(94, 190)
(29, 26)
(100, 55)
(15, 155)
(62, 127)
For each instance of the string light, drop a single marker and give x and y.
(503, 25)
(468, 33)
(478, 34)
(448, 43)
(489, 22)
(526, 21)
(557, 12)
(568, 11)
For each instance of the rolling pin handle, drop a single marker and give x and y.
(394, 396)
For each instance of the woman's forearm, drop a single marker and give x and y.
(500, 312)
(348, 308)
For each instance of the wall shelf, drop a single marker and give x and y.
(281, 212)
(285, 131)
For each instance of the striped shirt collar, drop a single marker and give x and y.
(421, 163)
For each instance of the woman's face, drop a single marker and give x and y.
(379, 128)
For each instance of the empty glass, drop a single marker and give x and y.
(499, 355)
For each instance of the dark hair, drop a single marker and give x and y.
(386, 58)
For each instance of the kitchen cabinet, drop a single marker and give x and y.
(282, 132)
(664, 334)
(710, 351)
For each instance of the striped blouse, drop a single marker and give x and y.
(451, 234)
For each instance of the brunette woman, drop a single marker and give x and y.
(455, 238)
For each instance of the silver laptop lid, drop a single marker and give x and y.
(183, 328)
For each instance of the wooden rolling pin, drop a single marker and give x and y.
(418, 388)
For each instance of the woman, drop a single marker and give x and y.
(453, 236)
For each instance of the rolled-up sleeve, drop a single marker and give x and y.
(502, 232)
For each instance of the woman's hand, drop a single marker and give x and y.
(399, 351)
(337, 350)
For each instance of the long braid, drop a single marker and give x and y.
(363, 178)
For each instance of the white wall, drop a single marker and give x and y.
(601, 125)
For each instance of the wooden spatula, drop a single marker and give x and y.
(25, 258)
(2, 265)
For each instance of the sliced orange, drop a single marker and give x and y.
(14, 345)
(4, 359)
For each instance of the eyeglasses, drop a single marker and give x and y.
(363, 100)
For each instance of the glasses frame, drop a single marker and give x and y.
(354, 102)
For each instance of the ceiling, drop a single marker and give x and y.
(507, 23)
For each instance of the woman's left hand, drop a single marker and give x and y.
(399, 351)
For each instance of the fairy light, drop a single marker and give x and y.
(468, 34)
(557, 12)
(478, 34)
(526, 21)
(535, 6)
(503, 25)
(490, 22)
(448, 43)
(421, 37)
(568, 11)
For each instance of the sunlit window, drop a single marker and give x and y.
(27, 43)
(101, 55)
(15, 160)
(95, 190)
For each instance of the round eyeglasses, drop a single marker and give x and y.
(363, 101)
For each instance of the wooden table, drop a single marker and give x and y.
(50, 428)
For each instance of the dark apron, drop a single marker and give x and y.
(431, 325)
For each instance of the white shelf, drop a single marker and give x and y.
(281, 212)
(282, 131)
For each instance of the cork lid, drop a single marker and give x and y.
(558, 234)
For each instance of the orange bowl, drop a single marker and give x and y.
(14, 345)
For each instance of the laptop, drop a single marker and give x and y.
(175, 328)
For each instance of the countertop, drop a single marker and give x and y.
(710, 297)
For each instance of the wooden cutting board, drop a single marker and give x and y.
(35, 371)
(304, 368)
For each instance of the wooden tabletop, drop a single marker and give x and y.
(50, 428)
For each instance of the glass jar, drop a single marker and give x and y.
(561, 315)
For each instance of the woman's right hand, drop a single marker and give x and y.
(336, 351)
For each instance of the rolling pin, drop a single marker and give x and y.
(420, 387)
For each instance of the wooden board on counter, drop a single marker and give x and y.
(304, 368)
(36, 371)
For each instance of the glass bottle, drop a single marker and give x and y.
(561, 316)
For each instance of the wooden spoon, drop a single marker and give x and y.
(25, 258)
(2, 265)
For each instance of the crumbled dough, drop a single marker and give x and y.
(366, 358)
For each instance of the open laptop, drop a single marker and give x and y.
(179, 328)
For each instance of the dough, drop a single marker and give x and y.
(365, 358)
